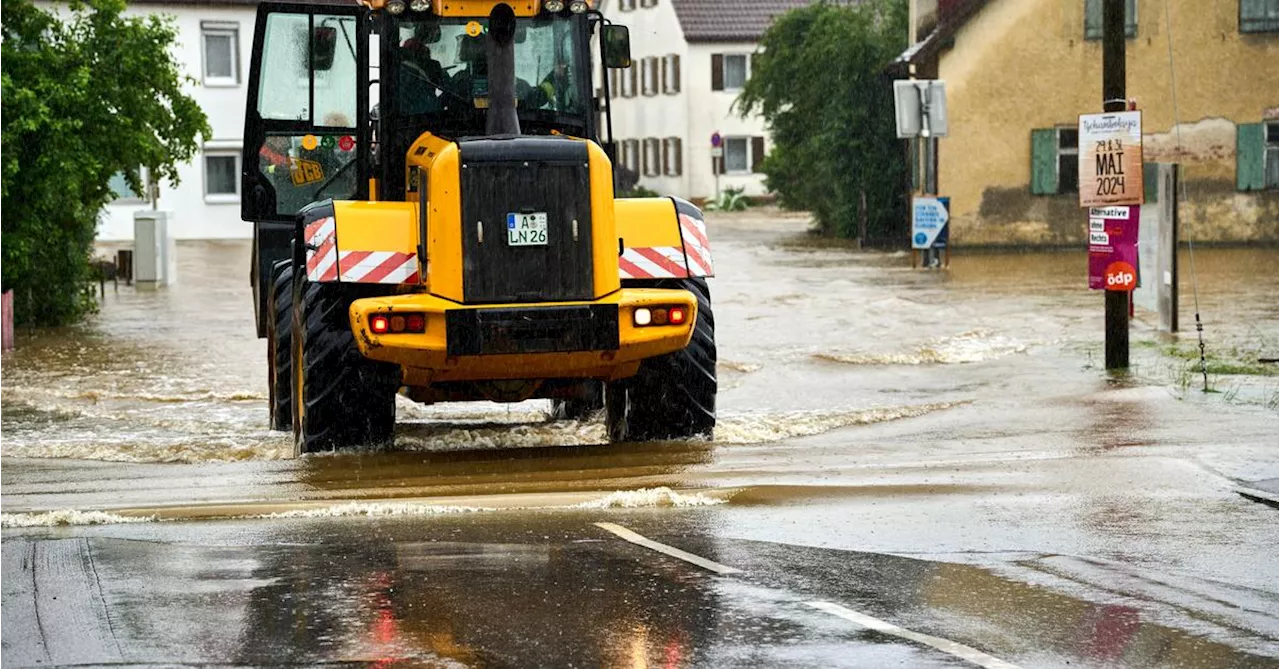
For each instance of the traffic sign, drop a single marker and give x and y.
(715, 139)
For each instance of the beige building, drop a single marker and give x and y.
(1018, 72)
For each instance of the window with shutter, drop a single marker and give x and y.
(1271, 171)
(1044, 161)
(1093, 18)
(651, 76)
(1259, 16)
(673, 162)
(737, 155)
(633, 155)
(626, 5)
(717, 72)
(675, 73)
(735, 71)
(633, 73)
(1068, 159)
(1251, 165)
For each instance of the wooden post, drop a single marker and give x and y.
(6, 321)
(1113, 100)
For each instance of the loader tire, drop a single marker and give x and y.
(279, 348)
(341, 398)
(582, 407)
(672, 396)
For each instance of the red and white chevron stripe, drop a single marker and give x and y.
(657, 262)
(696, 246)
(378, 267)
(322, 250)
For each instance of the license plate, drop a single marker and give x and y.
(527, 229)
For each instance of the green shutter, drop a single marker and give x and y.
(1093, 19)
(1044, 162)
(1250, 164)
(1150, 182)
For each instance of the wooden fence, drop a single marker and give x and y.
(6, 316)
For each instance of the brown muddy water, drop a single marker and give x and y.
(811, 340)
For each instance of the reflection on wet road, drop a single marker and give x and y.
(552, 589)
(939, 451)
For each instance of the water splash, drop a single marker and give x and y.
(373, 509)
(968, 347)
(649, 497)
(67, 517)
(765, 428)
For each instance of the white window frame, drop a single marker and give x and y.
(746, 140)
(133, 198)
(232, 30)
(220, 198)
(746, 70)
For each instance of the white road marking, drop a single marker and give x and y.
(958, 649)
(667, 550)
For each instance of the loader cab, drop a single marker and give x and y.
(434, 78)
(317, 128)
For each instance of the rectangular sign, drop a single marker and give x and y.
(527, 229)
(1113, 251)
(1110, 152)
(929, 217)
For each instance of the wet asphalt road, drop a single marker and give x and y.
(937, 451)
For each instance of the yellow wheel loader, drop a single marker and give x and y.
(434, 216)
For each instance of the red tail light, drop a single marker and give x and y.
(676, 316)
(412, 323)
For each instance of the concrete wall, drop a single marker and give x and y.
(1018, 65)
(195, 216)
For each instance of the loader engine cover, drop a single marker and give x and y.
(526, 220)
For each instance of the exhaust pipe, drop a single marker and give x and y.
(502, 118)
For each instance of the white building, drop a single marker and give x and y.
(214, 41)
(691, 58)
(690, 61)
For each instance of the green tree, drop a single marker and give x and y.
(87, 93)
(818, 80)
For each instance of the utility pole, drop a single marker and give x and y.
(1113, 100)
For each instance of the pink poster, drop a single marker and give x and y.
(1113, 248)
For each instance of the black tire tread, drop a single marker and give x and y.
(672, 396)
(349, 399)
(280, 342)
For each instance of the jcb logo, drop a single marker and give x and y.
(1121, 276)
(305, 171)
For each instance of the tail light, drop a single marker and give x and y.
(660, 315)
(398, 323)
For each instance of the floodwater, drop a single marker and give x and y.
(941, 449)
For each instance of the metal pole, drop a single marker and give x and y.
(1113, 100)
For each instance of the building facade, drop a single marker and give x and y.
(214, 42)
(691, 59)
(1018, 72)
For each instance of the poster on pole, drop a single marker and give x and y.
(929, 217)
(1113, 248)
(1110, 153)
